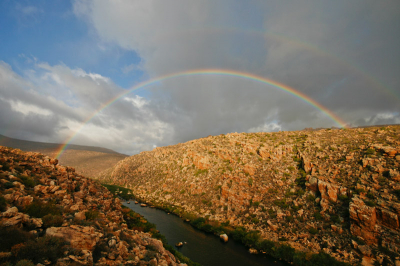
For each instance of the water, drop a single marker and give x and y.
(206, 249)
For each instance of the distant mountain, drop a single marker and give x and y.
(26, 145)
(87, 160)
(335, 191)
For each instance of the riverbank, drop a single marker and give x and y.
(250, 239)
(200, 246)
(138, 222)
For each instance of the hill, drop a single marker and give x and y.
(26, 145)
(87, 160)
(51, 215)
(333, 191)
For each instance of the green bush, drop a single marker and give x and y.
(370, 203)
(41, 249)
(251, 238)
(24, 263)
(11, 236)
(91, 215)
(50, 220)
(100, 247)
(312, 230)
(397, 193)
(3, 204)
(317, 216)
(286, 252)
(239, 233)
(125, 191)
(266, 245)
(27, 181)
(8, 185)
(39, 209)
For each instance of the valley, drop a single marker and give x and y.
(330, 190)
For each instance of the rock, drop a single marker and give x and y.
(312, 184)
(36, 222)
(272, 226)
(81, 237)
(25, 201)
(10, 212)
(112, 242)
(249, 169)
(224, 237)
(253, 251)
(80, 215)
(363, 220)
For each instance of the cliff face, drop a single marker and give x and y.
(335, 191)
(51, 215)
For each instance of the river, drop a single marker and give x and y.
(206, 249)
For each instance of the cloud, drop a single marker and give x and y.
(28, 10)
(54, 103)
(319, 49)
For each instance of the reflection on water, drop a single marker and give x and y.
(206, 249)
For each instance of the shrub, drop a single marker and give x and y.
(3, 204)
(397, 193)
(91, 215)
(24, 263)
(50, 220)
(27, 181)
(370, 203)
(251, 238)
(8, 185)
(44, 248)
(370, 151)
(266, 245)
(281, 203)
(322, 259)
(239, 233)
(11, 236)
(149, 255)
(101, 246)
(286, 252)
(317, 216)
(310, 198)
(39, 209)
(312, 230)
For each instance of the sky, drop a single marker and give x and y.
(116, 74)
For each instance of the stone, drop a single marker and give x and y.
(224, 237)
(81, 237)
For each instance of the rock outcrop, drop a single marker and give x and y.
(42, 201)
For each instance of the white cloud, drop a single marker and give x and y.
(267, 127)
(26, 109)
(38, 103)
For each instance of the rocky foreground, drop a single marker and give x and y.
(50, 215)
(333, 191)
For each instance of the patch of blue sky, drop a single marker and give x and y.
(50, 32)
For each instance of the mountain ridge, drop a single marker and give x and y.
(87, 160)
(27, 145)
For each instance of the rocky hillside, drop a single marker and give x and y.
(50, 215)
(335, 191)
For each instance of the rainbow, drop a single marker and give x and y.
(218, 72)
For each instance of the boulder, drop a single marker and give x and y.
(224, 237)
(81, 237)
